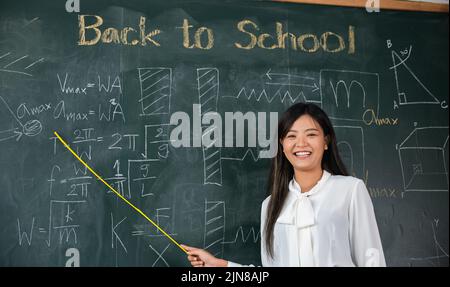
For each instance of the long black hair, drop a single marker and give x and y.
(282, 172)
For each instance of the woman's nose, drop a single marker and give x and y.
(301, 142)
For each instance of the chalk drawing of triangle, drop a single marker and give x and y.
(410, 88)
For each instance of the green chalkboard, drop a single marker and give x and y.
(110, 78)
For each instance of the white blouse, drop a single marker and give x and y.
(333, 224)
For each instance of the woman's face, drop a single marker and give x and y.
(305, 144)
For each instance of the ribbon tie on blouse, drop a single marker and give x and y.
(304, 212)
(299, 211)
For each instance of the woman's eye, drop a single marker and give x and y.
(291, 136)
(312, 135)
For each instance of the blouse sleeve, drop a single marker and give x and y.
(233, 264)
(365, 242)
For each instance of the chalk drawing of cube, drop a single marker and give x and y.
(424, 159)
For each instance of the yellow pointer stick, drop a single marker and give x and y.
(118, 194)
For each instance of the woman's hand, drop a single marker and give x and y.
(202, 258)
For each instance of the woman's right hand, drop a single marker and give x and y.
(202, 258)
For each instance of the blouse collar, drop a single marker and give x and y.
(297, 209)
(294, 187)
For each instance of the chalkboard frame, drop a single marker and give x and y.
(384, 4)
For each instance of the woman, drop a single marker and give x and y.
(316, 214)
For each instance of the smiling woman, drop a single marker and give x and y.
(316, 215)
(304, 146)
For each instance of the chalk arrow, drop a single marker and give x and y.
(286, 80)
(268, 74)
(18, 135)
(315, 88)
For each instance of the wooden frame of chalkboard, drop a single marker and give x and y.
(384, 4)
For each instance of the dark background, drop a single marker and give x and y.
(209, 197)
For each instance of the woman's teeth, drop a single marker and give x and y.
(302, 153)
